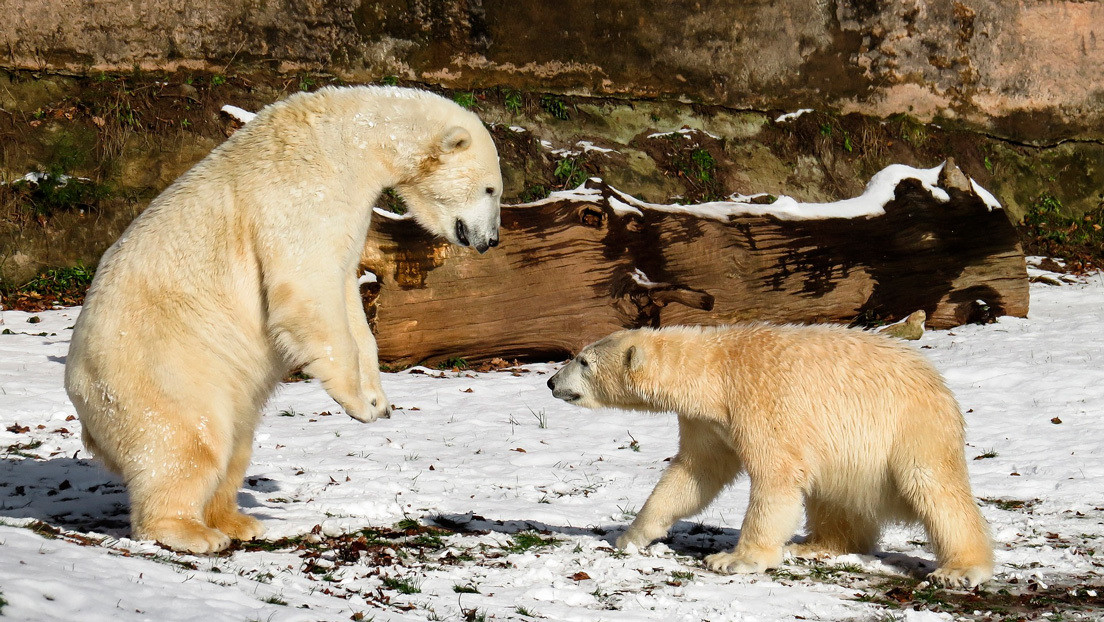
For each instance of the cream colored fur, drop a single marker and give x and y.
(245, 268)
(856, 427)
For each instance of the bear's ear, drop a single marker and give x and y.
(634, 358)
(455, 139)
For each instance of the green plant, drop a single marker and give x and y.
(391, 201)
(513, 100)
(555, 106)
(306, 82)
(465, 589)
(465, 100)
(1048, 230)
(403, 585)
(274, 600)
(704, 164)
(571, 172)
(55, 191)
(522, 611)
(988, 454)
(525, 540)
(218, 80)
(534, 193)
(390, 80)
(454, 362)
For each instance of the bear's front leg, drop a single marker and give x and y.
(702, 468)
(773, 515)
(368, 363)
(310, 322)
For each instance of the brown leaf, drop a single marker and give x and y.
(580, 576)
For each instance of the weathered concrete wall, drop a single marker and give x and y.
(1029, 69)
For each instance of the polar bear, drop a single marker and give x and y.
(244, 268)
(856, 425)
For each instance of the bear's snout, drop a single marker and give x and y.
(560, 393)
(476, 239)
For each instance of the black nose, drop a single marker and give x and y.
(552, 385)
(461, 233)
(493, 242)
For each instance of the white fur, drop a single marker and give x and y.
(856, 426)
(245, 268)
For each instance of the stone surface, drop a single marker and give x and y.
(1028, 70)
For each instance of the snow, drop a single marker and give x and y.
(790, 116)
(871, 203)
(685, 132)
(493, 454)
(239, 113)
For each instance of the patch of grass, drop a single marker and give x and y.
(475, 615)
(526, 540)
(54, 192)
(555, 106)
(534, 193)
(403, 585)
(290, 412)
(571, 172)
(389, 200)
(1048, 230)
(454, 363)
(1010, 505)
(522, 611)
(465, 589)
(988, 454)
(465, 100)
(390, 80)
(274, 600)
(407, 523)
(513, 100)
(542, 419)
(64, 286)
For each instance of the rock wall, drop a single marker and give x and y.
(1028, 69)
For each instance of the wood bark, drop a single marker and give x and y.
(578, 266)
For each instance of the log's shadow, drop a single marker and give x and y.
(79, 494)
(687, 538)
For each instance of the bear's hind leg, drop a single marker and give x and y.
(222, 511)
(942, 499)
(167, 499)
(835, 530)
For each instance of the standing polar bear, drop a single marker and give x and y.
(245, 268)
(858, 426)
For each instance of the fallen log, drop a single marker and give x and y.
(581, 264)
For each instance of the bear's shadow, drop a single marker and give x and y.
(78, 494)
(687, 538)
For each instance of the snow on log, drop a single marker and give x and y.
(581, 264)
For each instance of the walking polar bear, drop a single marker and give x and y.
(243, 269)
(858, 426)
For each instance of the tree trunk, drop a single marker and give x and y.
(579, 265)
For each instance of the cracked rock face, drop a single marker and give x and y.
(1028, 70)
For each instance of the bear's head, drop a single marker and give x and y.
(455, 191)
(607, 373)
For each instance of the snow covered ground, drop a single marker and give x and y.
(485, 498)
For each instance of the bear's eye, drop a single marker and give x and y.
(490, 190)
(584, 363)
